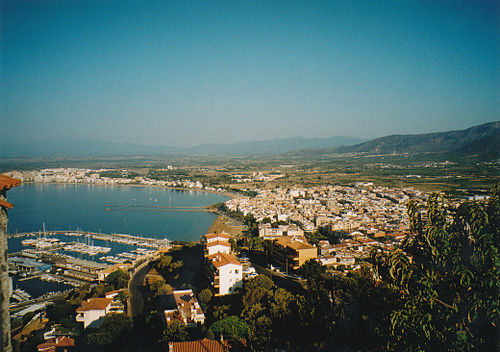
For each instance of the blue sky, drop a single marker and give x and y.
(186, 73)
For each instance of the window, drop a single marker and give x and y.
(236, 271)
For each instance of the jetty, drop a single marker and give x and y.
(117, 238)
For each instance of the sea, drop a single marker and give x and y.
(135, 210)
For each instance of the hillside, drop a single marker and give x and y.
(471, 140)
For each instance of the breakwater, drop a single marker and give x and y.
(133, 240)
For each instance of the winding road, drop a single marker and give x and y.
(134, 288)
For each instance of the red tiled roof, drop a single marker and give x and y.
(204, 345)
(7, 182)
(220, 259)
(220, 243)
(51, 345)
(6, 204)
(215, 235)
(94, 304)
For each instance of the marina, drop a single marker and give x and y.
(43, 240)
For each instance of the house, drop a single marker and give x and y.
(213, 237)
(93, 309)
(103, 273)
(292, 252)
(204, 345)
(217, 246)
(187, 309)
(226, 272)
(58, 344)
(116, 305)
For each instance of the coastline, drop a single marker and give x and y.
(225, 193)
(222, 224)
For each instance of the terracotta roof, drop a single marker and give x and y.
(7, 182)
(94, 304)
(51, 345)
(220, 259)
(113, 292)
(204, 345)
(286, 241)
(220, 243)
(215, 235)
(6, 204)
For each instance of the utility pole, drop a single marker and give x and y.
(6, 183)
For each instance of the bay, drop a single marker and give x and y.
(111, 209)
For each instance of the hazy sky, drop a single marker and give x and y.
(185, 73)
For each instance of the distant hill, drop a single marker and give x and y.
(486, 147)
(273, 146)
(478, 139)
(73, 147)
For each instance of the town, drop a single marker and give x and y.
(191, 291)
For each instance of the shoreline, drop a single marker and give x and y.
(221, 225)
(216, 224)
(225, 193)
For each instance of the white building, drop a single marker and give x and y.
(226, 271)
(217, 246)
(187, 309)
(214, 237)
(92, 310)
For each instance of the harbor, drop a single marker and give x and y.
(64, 259)
(47, 240)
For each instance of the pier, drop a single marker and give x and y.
(117, 238)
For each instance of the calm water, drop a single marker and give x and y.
(93, 208)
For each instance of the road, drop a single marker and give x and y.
(134, 289)
(281, 280)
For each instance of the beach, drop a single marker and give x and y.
(225, 224)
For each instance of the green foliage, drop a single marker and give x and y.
(267, 310)
(232, 328)
(176, 331)
(450, 286)
(116, 280)
(221, 312)
(205, 296)
(113, 332)
(59, 310)
(167, 267)
(159, 287)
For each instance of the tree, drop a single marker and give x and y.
(159, 287)
(113, 332)
(166, 266)
(176, 331)
(254, 289)
(59, 310)
(116, 280)
(205, 296)
(232, 328)
(447, 275)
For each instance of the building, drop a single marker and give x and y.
(292, 252)
(213, 237)
(204, 345)
(267, 232)
(103, 273)
(6, 183)
(58, 344)
(93, 309)
(225, 271)
(217, 246)
(187, 309)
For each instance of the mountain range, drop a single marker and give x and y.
(74, 147)
(475, 139)
(483, 140)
